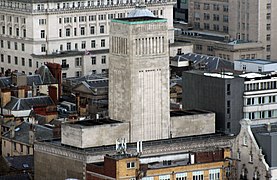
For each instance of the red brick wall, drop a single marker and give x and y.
(211, 156)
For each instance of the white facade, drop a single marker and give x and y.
(260, 98)
(72, 33)
(255, 65)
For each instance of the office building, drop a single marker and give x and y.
(74, 34)
(250, 21)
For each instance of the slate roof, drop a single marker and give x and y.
(209, 62)
(46, 76)
(267, 141)
(18, 104)
(22, 133)
(5, 82)
(34, 79)
(21, 162)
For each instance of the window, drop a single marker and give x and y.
(2, 57)
(30, 63)
(216, 7)
(64, 75)
(225, 18)
(10, 31)
(196, 5)
(24, 32)
(82, 18)
(210, 48)
(206, 6)
(92, 44)
(228, 89)
(42, 34)
(102, 42)
(17, 31)
(67, 32)
(268, 47)
(102, 29)
(9, 59)
(75, 31)
(164, 177)
(179, 51)
(268, 16)
(60, 32)
(9, 44)
(78, 62)
(225, 8)
(206, 16)
(2, 44)
(82, 30)
(198, 47)
(216, 17)
(93, 60)
(23, 61)
(83, 44)
(93, 71)
(268, 27)
(244, 140)
(68, 46)
(131, 165)
(214, 174)
(228, 107)
(268, 37)
(76, 46)
(103, 59)
(198, 175)
(42, 21)
(43, 48)
(268, 6)
(15, 46)
(14, 146)
(3, 29)
(251, 157)
(78, 73)
(181, 176)
(92, 30)
(15, 60)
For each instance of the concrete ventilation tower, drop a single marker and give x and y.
(139, 74)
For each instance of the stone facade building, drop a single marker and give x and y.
(74, 34)
(238, 19)
(139, 76)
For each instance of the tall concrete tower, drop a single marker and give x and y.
(139, 76)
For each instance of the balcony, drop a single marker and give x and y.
(65, 66)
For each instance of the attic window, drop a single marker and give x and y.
(25, 165)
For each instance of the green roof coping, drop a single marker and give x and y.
(139, 22)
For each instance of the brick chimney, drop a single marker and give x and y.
(21, 92)
(5, 98)
(56, 70)
(12, 130)
(31, 134)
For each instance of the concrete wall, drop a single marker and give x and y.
(56, 167)
(189, 125)
(210, 93)
(90, 136)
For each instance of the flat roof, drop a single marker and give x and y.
(188, 112)
(257, 61)
(139, 20)
(94, 122)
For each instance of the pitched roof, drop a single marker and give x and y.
(210, 63)
(46, 76)
(21, 162)
(17, 104)
(22, 133)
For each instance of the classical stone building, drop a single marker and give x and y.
(255, 150)
(238, 19)
(74, 34)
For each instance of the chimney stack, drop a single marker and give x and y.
(31, 134)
